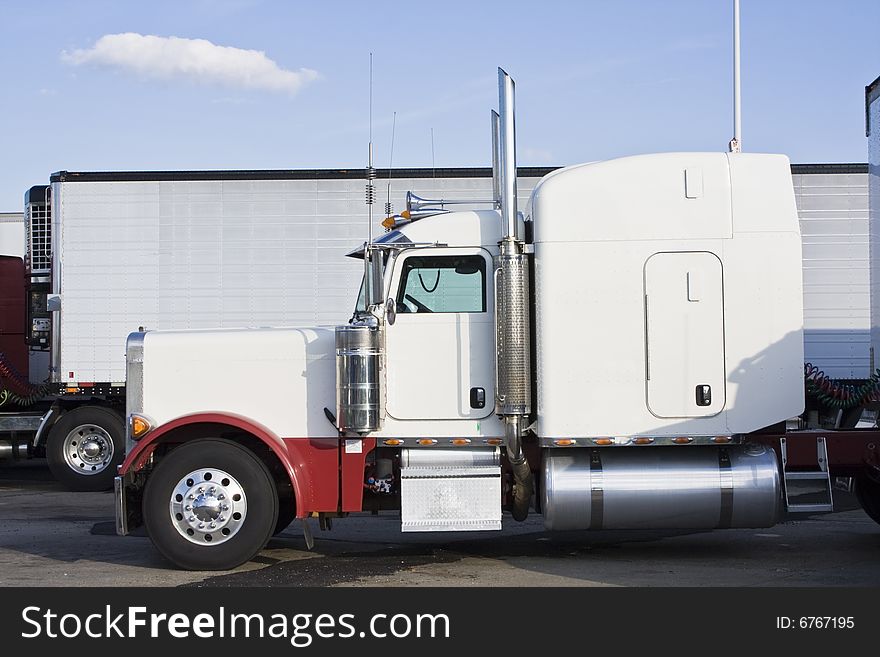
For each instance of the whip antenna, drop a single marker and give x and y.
(735, 145)
(372, 276)
(371, 172)
(389, 209)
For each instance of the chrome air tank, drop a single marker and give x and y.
(660, 488)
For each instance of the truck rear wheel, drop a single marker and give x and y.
(868, 494)
(210, 504)
(84, 447)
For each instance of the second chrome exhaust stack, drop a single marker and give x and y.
(513, 390)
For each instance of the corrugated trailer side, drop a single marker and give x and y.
(872, 130)
(832, 202)
(194, 254)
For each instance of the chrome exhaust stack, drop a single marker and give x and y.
(496, 160)
(513, 389)
(507, 154)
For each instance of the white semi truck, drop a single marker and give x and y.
(625, 353)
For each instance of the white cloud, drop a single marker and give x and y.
(196, 59)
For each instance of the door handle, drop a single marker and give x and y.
(478, 397)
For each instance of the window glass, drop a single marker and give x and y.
(361, 305)
(442, 284)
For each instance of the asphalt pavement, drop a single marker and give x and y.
(51, 537)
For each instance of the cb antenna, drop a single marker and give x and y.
(371, 172)
(389, 208)
(735, 145)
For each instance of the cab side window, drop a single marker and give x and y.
(442, 284)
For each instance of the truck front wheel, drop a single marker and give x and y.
(84, 447)
(210, 504)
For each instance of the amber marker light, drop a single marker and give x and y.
(388, 222)
(642, 441)
(140, 426)
(426, 441)
(493, 441)
(460, 441)
(603, 441)
(682, 440)
(722, 440)
(564, 442)
(392, 442)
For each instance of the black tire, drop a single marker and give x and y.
(286, 514)
(92, 426)
(246, 470)
(868, 494)
(286, 506)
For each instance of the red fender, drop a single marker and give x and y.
(138, 456)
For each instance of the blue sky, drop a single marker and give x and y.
(595, 80)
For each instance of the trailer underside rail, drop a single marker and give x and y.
(19, 422)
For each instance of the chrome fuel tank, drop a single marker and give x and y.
(660, 488)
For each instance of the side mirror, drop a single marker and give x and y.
(390, 311)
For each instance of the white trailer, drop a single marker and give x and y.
(872, 131)
(111, 253)
(11, 234)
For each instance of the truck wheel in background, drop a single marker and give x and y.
(210, 504)
(84, 447)
(868, 494)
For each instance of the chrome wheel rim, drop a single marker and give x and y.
(208, 506)
(88, 449)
